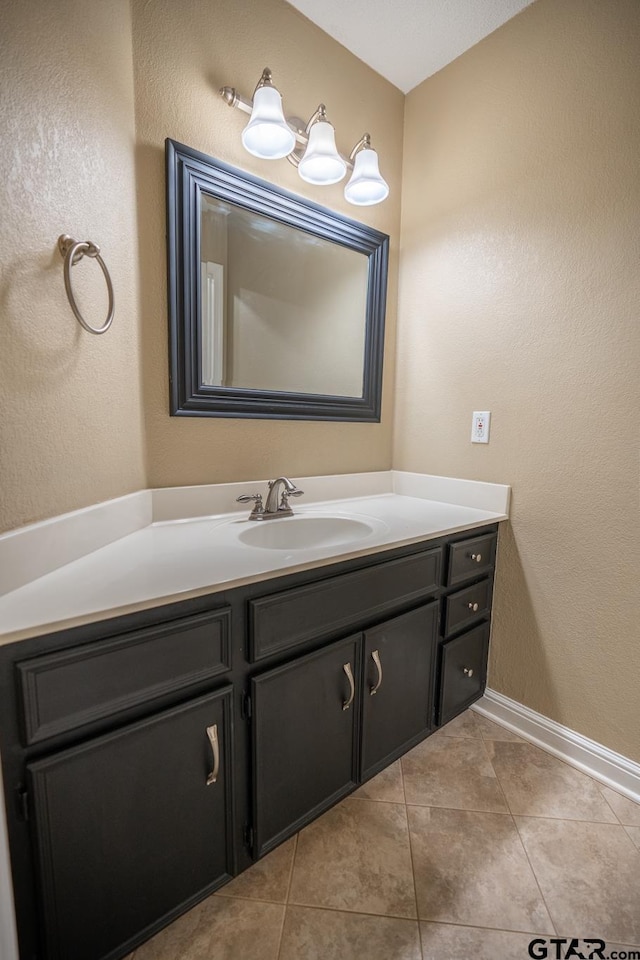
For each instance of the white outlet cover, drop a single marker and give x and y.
(480, 426)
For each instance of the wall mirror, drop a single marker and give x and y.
(276, 305)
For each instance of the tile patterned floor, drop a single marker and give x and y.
(471, 845)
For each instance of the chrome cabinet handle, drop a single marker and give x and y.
(473, 606)
(477, 557)
(352, 687)
(375, 656)
(212, 733)
(467, 672)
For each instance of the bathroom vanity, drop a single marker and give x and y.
(150, 757)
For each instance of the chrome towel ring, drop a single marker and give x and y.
(73, 251)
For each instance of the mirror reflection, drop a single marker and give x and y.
(280, 309)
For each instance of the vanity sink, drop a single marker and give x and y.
(301, 533)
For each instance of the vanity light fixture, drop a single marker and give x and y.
(267, 135)
(311, 148)
(366, 185)
(321, 163)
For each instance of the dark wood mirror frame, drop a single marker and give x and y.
(189, 175)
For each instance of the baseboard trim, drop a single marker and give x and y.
(592, 758)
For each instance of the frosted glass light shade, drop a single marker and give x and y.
(366, 185)
(267, 135)
(321, 162)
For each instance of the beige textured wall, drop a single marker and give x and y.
(71, 424)
(519, 294)
(184, 50)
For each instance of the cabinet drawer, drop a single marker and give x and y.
(463, 671)
(471, 558)
(464, 607)
(65, 690)
(287, 619)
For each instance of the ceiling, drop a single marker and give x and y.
(425, 34)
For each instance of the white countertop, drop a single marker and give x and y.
(174, 559)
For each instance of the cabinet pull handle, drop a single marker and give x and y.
(212, 733)
(468, 672)
(477, 557)
(474, 607)
(352, 687)
(375, 656)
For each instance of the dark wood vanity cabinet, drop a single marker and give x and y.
(159, 787)
(304, 725)
(148, 759)
(465, 622)
(327, 721)
(397, 690)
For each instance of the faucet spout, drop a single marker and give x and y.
(274, 505)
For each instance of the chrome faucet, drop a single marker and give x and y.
(277, 504)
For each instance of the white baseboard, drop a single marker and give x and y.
(592, 758)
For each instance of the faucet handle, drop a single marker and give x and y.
(284, 499)
(251, 498)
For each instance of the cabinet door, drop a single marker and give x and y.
(129, 830)
(397, 698)
(304, 746)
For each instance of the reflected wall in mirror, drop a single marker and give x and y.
(276, 305)
(291, 314)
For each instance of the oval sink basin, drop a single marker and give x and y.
(301, 533)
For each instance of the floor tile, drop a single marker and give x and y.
(219, 929)
(539, 785)
(443, 941)
(634, 833)
(328, 935)
(470, 868)
(452, 772)
(464, 725)
(386, 786)
(268, 879)
(589, 874)
(494, 731)
(627, 811)
(356, 857)
(474, 726)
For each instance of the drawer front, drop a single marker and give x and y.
(288, 619)
(65, 690)
(463, 671)
(465, 607)
(471, 558)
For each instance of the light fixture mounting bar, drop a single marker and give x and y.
(231, 97)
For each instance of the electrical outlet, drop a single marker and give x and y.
(480, 426)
